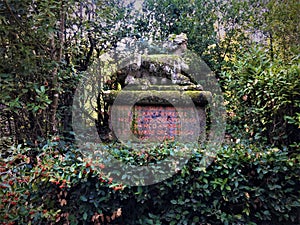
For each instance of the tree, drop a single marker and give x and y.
(196, 18)
(44, 48)
(215, 29)
(282, 28)
(261, 84)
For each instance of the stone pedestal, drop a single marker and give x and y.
(157, 114)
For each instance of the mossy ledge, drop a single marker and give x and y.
(161, 58)
(155, 97)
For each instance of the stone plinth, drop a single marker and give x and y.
(158, 114)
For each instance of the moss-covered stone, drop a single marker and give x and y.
(161, 97)
(161, 58)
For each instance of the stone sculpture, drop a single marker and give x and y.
(158, 83)
(161, 69)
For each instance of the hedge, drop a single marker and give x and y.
(245, 184)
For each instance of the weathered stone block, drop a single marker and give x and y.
(158, 115)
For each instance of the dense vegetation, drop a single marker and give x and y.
(246, 184)
(253, 49)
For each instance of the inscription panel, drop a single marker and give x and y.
(156, 123)
(159, 123)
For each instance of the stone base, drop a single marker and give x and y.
(155, 119)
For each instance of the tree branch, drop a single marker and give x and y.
(22, 26)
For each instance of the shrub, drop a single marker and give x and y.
(245, 184)
(263, 97)
(54, 185)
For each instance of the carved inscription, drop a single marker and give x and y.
(155, 123)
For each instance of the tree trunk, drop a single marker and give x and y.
(56, 56)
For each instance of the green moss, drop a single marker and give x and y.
(161, 58)
(200, 96)
(164, 97)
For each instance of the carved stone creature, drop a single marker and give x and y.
(156, 73)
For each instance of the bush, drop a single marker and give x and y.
(263, 97)
(244, 185)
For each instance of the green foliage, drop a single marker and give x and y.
(44, 48)
(245, 184)
(283, 28)
(215, 29)
(53, 184)
(195, 18)
(262, 96)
